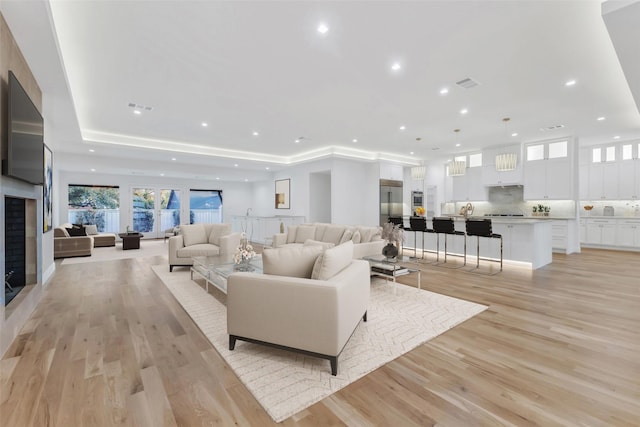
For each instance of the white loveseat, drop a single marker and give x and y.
(366, 240)
(201, 240)
(308, 300)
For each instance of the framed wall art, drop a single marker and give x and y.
(283, 198)
(47, 200)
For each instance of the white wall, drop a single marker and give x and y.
(320, 203)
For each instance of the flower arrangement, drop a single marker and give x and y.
(392, 232)
(245, 251)
(420, 210)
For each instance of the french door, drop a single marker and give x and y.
(154, 211)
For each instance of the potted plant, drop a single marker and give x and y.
(535, 211)
(393, 234)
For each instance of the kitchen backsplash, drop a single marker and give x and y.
(557, 208)
(623, 208)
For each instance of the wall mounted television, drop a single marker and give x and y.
(25, 143)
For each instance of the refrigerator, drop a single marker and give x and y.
(390, 199)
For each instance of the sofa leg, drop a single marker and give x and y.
(334, 365)
(232, 342)
(171, 269)
(365, 316)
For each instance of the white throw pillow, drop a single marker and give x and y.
(194, 234)
(217, 231)
(334, 233)
(91, 229)
(348, 234)
(356, 237)
(291, 234)
(333, 261)
(325, 245)
(305, 232)
(291, 261)
(320, 229)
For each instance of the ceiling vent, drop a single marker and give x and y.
(548, 128)
(467, 83)
(140, 106)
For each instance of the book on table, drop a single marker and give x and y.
(389, 269)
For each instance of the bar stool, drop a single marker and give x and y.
(419, 223)
(446, 226)
(482, 228)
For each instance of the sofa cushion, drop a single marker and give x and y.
(347, 235)
(291, 234)
(296, 261)
(91, 229)
(194, 234)
(217, 231)
(368, 234)
(334, 233)
(333, 261)
(60, 232)
(305, 232)
(325, 245)
(202, 249)
(356, 237)
(320, 230)
(76, 231)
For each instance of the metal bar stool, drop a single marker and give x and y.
(482, 228)
(419, 223)
(446, 226)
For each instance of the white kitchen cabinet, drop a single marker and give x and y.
(548, 171)
(468, 187)
(629, 178)
(391, 171)
(601, 232)
(603, 181)
(628, 233)
(559, 235)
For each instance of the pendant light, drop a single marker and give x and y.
(417, 173)
(457, 167)
(506, 161)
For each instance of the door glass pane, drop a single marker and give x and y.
(535, 152)
(557, 149)
(93, 204)
(205, 206)
(169, 209)
(627, 152)
(143, 210)
(611, 154)
(596, 155)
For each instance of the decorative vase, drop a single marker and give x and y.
(390, 250)
(244, 265)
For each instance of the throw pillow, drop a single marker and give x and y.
(291, 261)
(320, 229)
(365, 234)
(348, 234)
(194, 234)
(333, 261)
(91, 229)
(305, 232)
(334, 233)
(291, 234)
(325, 245)
(76, 231)
(217, 231)
(356, 237)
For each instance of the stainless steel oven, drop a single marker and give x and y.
(417, 199)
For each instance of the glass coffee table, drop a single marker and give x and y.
(391, 268)
(216, 270)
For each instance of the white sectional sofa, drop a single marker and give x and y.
(366, 240)
(308, 300)
(201, 240)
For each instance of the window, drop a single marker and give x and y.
(596, 156)
(604, 154)
(557, 149)
(627, 152)
(205, 206)
(535, 152)
(610, 154)
(475, 160)
(94, 204)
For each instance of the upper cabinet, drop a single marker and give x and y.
(491, 176)
(391, 171)
(465, 183)
(629, 170)
(610, 172)
(548, 171)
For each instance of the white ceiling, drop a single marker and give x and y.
(245, 66)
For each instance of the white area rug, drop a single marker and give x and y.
(148, 248)
(285, 382)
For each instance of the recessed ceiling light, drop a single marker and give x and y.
(458, 144)
(323, 29)
(403, 127)
(235, 165)
(464, 111)
(514, 134)
(173, 158)
(396, 66)
(616, 137)
(217, 177)
(570, 83)
(444, 91)
(354, 140)
(411, 152)
(246, 180)
(297, 141)
(205, 124)
(161, 174)
(267, 167)
(138, 112)
(93, 170)
(600, 119)
(255, 133)
(91, 150)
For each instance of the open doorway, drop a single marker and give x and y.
(320, 196)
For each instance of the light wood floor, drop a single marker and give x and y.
(109, 345)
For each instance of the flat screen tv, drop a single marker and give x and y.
(25, 144)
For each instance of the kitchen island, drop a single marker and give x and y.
(527, 242)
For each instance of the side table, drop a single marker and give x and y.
(130, 240)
